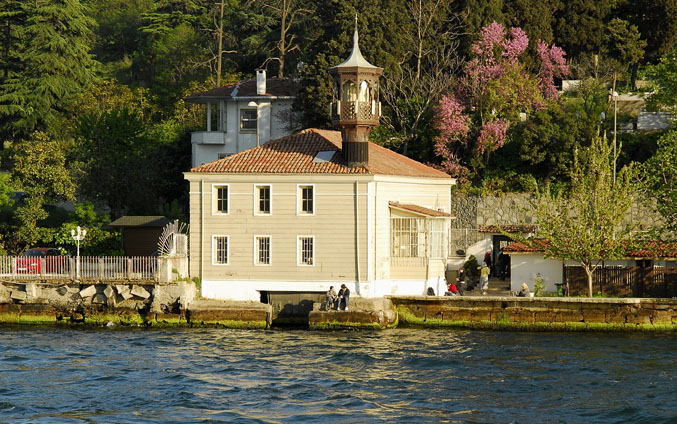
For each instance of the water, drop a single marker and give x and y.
(397, 376)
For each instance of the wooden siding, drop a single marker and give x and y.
(332, 226)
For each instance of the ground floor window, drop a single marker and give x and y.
(417, 238)
(306, 250)
(262, 250)
(220, 250)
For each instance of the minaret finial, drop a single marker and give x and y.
(356, 36)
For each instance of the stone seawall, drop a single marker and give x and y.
(126, 303)
(538, 313)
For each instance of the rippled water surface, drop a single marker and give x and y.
(407, 376)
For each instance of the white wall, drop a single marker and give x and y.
(525, 267)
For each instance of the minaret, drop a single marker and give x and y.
(355, 107)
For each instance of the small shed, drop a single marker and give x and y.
(140, 234)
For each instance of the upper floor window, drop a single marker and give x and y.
(306, 199)
(248, 119)
(262, 199)
(220, 194)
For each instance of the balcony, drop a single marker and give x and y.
(208, 137)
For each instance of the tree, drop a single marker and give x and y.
(494, 90)
(114, 153)
(664, 82)
(55, 66)
(661, 177)
(40, 171)
(583, 223)
(624, 45)
(288, 16)
(426, 72)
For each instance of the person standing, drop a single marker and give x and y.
(484, 278)
(460, 280)
(488, 261)
(343, 297)
(331, 299)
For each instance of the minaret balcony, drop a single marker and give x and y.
(346, 110)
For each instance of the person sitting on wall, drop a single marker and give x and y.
(331, 300)
(524, 291)
(453, 290)
(343, 297)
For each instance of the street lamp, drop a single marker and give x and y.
(78, 236)
(615, 97)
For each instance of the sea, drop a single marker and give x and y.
(116, 375)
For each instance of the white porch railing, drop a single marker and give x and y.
(90, 267)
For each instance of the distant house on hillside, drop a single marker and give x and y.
(243, 115)
(321, 208)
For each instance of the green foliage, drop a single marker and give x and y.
(664, 82)
(470, 266)
(539, 286)
(661, 177)
(55, 65)
(583, 224)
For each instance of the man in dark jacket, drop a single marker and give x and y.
(343, 297)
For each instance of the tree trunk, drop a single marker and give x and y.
(588, 272)
(218, 62)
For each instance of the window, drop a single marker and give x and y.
(220, 250)
(220, 194)
(262, 195)
(262, 250)
(306, 196)
(248, 119)
(306, 250)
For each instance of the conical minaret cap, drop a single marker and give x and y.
(355, 58)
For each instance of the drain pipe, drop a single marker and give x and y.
(357, 238)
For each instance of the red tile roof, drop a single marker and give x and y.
(294, 154)
(420, 210)
(507, 228)
(642, 249)
(278, 87)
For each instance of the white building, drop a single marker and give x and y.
(243, 115)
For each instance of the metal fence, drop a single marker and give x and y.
(635, 281)
(87, 268)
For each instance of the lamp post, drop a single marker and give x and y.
(78, 236)
(615, 97)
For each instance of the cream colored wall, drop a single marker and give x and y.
(332, 225)
(432, 193)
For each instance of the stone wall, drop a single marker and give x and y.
(474, 211)
(436, 311)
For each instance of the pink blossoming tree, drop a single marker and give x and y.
(495, 89)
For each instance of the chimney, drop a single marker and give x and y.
(260, 82)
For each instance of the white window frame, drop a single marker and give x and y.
(215, 199)
(257, 200)
(256, 250)
(299, 253)
(214, 262)
(242, 120)
(299, 200)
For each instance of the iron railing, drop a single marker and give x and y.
(113, 268)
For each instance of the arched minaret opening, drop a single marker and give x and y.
(355, 106)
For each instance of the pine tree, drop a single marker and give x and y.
(55, 64)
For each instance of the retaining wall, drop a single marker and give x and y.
(546, 312)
